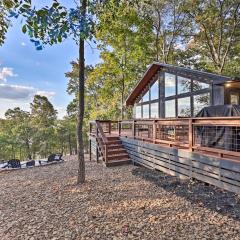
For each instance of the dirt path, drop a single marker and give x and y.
(115, 203)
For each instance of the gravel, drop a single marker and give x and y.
(126, 202)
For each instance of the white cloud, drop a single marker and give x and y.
(6, 72)
(61, 112)
(23, 44)
(17, 92)
(12, 96)
(12, 92)
(48, 94)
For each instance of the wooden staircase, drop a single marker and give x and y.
(116, 154)
(110, 148)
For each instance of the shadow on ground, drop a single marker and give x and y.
(196, 192)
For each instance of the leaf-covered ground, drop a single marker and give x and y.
(125, 202)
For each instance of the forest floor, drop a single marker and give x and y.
(126, 202)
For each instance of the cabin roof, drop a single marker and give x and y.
(185, 72)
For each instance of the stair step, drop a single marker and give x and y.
(114, 142)
(114, 146)
(118, 162)
(118, 156)
(116, 151)
(113, 138)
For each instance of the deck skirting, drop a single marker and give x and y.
(219, 172)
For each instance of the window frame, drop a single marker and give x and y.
(161, 100)
(190, 94)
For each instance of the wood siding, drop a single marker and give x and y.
(219, 172)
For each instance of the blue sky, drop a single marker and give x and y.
(24, 71)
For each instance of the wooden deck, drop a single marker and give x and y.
(210, 146)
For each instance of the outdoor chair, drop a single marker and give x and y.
(14, 163)
(54, 157)
(30, 163)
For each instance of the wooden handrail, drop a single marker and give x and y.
(102, 134)
(171, 131)
(103, 138)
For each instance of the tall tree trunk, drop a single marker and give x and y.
(80, 147)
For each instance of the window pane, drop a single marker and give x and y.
(154, 91)
(234, 99)
(146, 111)
(170, 108)
(199, 85)
(146, 97)
(170, 85)
(138, 112)
(184, 107)
(184, 85)
(201, 101)
(154, 110)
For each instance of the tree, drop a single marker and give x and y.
(26, 135)
(171, 27)
(43, 119)
(128, 33)
(5, 6)
(51, 25)
(21, 128)
(217, 32)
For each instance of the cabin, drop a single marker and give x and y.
(167, 91)
(185, 123)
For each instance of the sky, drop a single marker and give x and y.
(24, 71)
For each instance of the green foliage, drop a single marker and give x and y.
(217, 34)
(6, 9)
(131, 35)
(4, 21)
(27, 135)
(55, 23)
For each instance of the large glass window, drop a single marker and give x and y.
(170, 84)
(138, 113)
(170, 110)
(184, 85)
(199, 85)
(201, 101)
(234, 99)
(154, 91)
(184, 107)
(146, 111)
(146, 97)
(154, 110)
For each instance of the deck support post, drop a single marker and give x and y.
(90, 150)
(119, 128)
(190, 135)
(97, 155)
(133, 129)
(154, 134)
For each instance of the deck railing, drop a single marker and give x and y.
(100, 130)
(217, 136)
